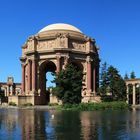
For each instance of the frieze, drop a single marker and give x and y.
(46, 45)
(78, 46)
(62, 42)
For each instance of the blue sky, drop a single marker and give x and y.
(115, 24)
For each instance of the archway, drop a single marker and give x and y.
(46, 69)
(49, 78)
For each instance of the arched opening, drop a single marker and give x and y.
(47, 71)
(49, 80)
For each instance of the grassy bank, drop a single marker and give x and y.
(94, 106)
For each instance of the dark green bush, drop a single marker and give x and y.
(52, 104)
(28, 104)
(94, 106)
(12, 104)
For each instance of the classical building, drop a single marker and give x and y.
(10, 88)
(133, 91)
(50, 50)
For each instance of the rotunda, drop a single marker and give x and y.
(51, 49)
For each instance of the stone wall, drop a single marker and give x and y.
(21, 100)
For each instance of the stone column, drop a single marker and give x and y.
(127, 94)
(134, 94)
(7, 90)
(94, 80)
(29, 76)
(23, 78)
(11, 89)
(58, 63)
(33, 75)
(89, 75)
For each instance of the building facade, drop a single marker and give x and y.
(50, 50)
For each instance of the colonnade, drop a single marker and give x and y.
(29, 74)
(135, 96)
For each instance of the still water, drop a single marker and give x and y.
(37, 124)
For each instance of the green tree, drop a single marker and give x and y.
(103, 79)
(68, 85)
(116, 84)
(126, 76)
(130, 88)
(132, 75)
(112, 85)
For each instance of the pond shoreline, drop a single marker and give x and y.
(29, 107)
(119, 105)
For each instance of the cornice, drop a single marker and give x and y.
(60, 33)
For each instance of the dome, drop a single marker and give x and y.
(60, 26)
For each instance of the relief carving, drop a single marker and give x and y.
(30, 44)
(62, 42)
(79, 46)
(62, 39)
(46, 45)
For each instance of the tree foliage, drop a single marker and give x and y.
(126, 76)
(68, 85)
(112, 83)
(132, 75)
(103, 79)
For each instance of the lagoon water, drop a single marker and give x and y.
(37, 124)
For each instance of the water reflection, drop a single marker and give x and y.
(9, 125)
(26, 124)
(32, 124)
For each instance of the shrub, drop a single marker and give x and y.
(12, 104)
(52, 104)
(27, 104)
(94, 106)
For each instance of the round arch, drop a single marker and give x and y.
(47, 66)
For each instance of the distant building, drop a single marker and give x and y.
(10, 88)
(133, 91)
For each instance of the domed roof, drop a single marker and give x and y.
(60, 26)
